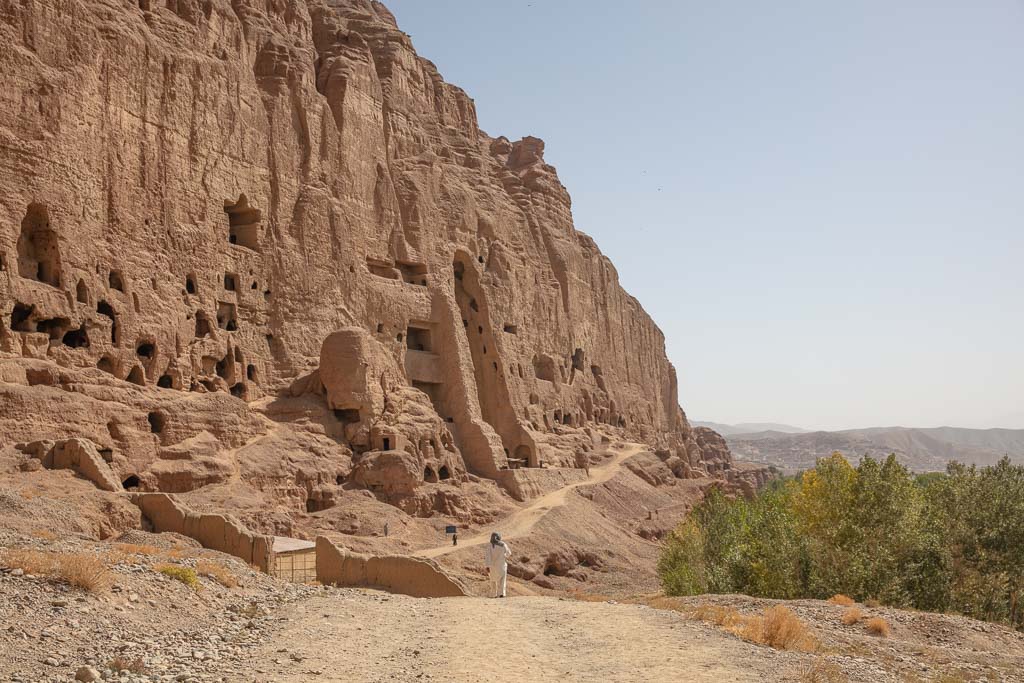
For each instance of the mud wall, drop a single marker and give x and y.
(406, 575)
(216, 532)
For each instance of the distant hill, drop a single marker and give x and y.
(923, 450)
(749, 428)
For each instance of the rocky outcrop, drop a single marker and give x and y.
(79, 455)
(268, 244)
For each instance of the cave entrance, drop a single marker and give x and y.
(76, 339)
(429, 475)
(38, 247)
(203, 326)
(243, 223)
(443, 472)
(418, 338)
(227, 316)
(131, 482)
(21, 317)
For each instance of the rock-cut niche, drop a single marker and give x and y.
(243, 223)
(38, 247)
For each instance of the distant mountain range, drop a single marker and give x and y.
(749, 428)
(923, 450)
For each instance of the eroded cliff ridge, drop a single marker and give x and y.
(261, 250)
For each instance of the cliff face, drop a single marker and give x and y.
(225, 220)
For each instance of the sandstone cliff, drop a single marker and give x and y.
(267, 244)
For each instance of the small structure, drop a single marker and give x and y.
(293, 560)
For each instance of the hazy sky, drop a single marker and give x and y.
(820, 203)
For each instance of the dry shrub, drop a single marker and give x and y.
(852, 616)
(877, 626)
(75, 569)
(872, 603)
(44, 535)
(217, 572)
(186, 575)
(181, 553)
(842, 600)
(122, 663)
(782, 630)
(717, 615)
(822, 671)
(778, 627)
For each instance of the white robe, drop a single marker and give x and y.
(497, 562)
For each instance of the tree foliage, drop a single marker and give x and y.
(941, 542)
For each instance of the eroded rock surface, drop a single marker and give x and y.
(263, 254)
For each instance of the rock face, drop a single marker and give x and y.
(226, 222)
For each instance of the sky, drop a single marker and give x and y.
(821, 204)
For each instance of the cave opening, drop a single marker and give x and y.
(38, 247)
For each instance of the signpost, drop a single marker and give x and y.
(450, 529)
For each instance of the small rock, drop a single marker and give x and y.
(87, 673)
(17, 572)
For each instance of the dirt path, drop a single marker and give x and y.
(521, 522)
(369, 636)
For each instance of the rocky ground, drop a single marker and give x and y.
(240, 625)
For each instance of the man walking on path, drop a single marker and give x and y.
(497, 555)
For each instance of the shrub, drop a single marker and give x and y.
(186, 575)
(217, 572)
(822, 671)
(851, 616)
(782, 630)
(777, 628)
(877, 626)
(75, 569)
(947, 543)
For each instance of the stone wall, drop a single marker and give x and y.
(413, 576)
(216, 532)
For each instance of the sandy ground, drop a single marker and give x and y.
(522, 521)
(381, 637)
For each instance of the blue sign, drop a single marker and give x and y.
(449, 529)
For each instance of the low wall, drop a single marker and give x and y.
(413, 576)
(532, 482)
(216, 532)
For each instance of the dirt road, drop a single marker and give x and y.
(521, 522)
(369, 636)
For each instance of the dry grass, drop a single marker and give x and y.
(186, 575)
(217, 572)
(75, 569)
(44, 535)
(783, 630)
(842, 600)
(122, 663)
(822, 671)
(872, 603)
(877, 626)
(852, 616)
(777, 628)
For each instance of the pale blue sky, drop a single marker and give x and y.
(820, 203)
